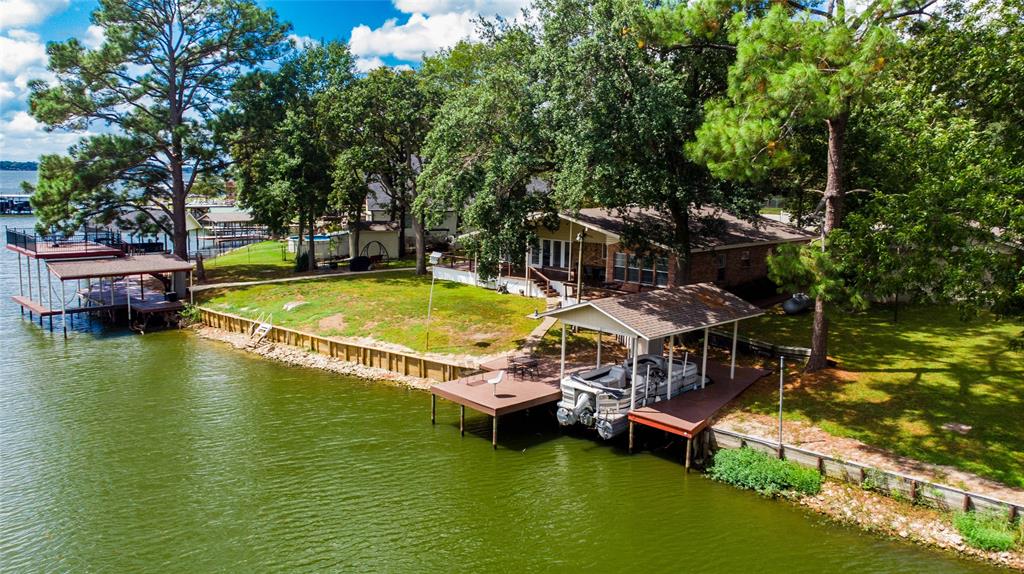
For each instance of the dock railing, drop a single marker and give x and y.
(29, 240)
(888, 482)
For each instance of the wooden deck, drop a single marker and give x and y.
(689, 413)
(513, 394)
(70, 250)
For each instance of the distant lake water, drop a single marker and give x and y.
(10, 181)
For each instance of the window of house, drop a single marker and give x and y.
(633, 269)
(535, 254)
(619, 267)
(720, 264)
(604, 251)
(647, 270)
(661, 271)
(745, 259)
(545, 252)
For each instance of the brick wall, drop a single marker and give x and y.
(704, 268)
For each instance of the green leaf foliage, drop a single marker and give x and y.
(764, 474)
(156, 80)
(987, 531)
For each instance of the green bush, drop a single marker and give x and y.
(765, 474)
(987, 531)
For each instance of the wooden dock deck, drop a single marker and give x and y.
(689, 413)
(513, 394)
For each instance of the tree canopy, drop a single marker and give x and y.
(156, 80)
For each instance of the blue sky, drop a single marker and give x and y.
(380, 32)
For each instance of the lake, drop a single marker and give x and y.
(169, 453)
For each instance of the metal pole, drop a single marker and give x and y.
(735, 332)
(63, 310)
(49, 295)
(671, 348)
(579, 273)
(462, 420)
(191, 294)
(433, 408)
(598, 349)
(704, 360)
(430, 305)
(632, 385)
(39, 285)
(561, 364)
(21, 285)
(782, 366)
(28, 266)
(494, 432)
(128, 298)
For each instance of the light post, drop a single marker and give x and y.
(435, 258)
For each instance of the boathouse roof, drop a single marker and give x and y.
(119, 266)
(659, 313)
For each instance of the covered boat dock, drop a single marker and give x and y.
(651, 320)
(112, 284)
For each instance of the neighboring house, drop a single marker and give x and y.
(728, 252)
(378, 209)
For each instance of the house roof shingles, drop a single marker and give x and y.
(728, 230)
(675, 310)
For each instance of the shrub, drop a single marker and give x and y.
(190, 314)
(765, 474)
(985, 530)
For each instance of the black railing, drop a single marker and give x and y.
(30, 240)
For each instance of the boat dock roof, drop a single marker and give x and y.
(119, 267)
(689, 413)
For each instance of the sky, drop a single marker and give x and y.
(379, 32)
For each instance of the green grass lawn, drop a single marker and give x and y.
(390, 307)
(903, 381)
(269, 260)
(263, 260)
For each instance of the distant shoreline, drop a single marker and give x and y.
(19, 166)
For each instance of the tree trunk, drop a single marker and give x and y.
(834, 192)
(311, 262)
(179, 237)
(301, 241)
(401, 233)
(353, 237)
(681, 238)
(418, 229)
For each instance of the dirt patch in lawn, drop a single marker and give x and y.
(334, 322)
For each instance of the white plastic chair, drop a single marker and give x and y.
(493, 381)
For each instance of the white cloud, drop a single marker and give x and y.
(364, 65)
(94, 36)
(17, 13)
(302, 42)
(431, 26)
(22, 123)
(504, 8)
(419, 35)
(20, 50)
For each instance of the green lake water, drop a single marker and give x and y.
(168, 453)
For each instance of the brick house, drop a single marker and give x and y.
(726, 250)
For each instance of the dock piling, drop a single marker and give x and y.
(630, 437)
(462, 420)
(689, 449)
(433, 408)
(494, 432)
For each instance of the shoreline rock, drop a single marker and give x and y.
(879, 514)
